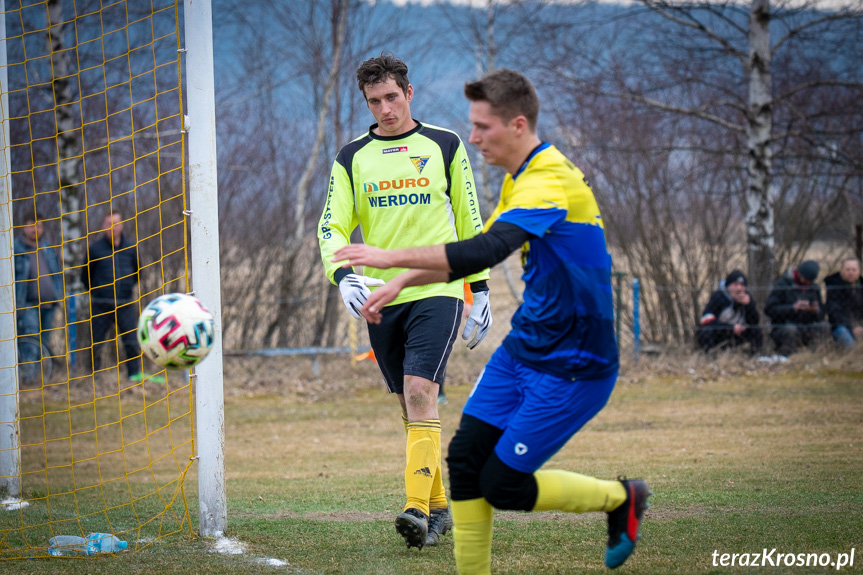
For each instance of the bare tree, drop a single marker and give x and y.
(668, 211)
(340, 17)
(715, 63)
(775, 134)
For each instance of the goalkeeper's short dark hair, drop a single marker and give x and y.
(509, 93)
(381, 69)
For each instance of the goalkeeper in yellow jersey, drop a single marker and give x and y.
(557, 367)
(407, 184)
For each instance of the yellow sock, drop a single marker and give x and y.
(472, 520)
(437, 498)
(567, 491)
(423, 458)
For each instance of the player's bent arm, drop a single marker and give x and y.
(468, 222)
(484, 250)
(426, 257)
(459, 258)
(456, 260)
(385, 294)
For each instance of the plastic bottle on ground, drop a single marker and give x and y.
(68, 546)
(72, 545)
(105, 543)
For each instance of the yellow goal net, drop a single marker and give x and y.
(94, 437)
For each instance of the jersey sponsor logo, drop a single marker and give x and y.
(326, 232)
(420, 162)
(468, 188)
(393, 200)
(394, 150)
(403, 183)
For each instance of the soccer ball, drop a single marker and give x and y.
(176, 331)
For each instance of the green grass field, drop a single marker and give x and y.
(739, 459)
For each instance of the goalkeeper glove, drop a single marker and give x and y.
(355, 293)
(479, 319)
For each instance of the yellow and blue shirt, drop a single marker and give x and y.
(566, 324)
(416, 189)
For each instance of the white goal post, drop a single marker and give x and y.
(204, 228)
(10, 463)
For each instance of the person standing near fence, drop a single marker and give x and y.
(405, 184)
(558, 365)
(111, 275)
(38, 282)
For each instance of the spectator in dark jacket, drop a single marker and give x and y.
(795, 309)
(844, 304)
(730, 318)
(111, 275)
(38, 281)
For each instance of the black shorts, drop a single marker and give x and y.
(416, 338)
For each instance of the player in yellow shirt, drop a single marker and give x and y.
(405, 184)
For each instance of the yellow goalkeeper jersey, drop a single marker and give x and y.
(416, 189)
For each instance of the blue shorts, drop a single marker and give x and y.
(537, 412)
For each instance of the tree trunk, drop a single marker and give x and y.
(341, 9)
(74, 243)
(68, 160)
(328, 333)
(490, 34)
(759, 199)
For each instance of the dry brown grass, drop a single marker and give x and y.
(740, 454)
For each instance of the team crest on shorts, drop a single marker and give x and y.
(520, 448)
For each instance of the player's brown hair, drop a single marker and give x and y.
(381, 69)
(509, 93)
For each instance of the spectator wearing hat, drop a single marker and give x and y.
(844, 304)
(795, 309)
(730, 318)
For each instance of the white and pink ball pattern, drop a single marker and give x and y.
(176, 331)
